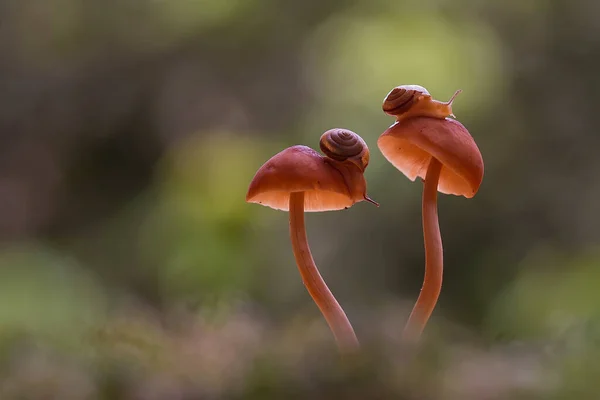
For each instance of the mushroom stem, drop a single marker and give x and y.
(434, 257)
(316, 286)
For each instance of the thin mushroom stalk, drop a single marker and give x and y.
(313, 281)
(434, 257)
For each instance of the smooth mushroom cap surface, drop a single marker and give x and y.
(300, 169)
(410, 144)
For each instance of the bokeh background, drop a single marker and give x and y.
(132, 268)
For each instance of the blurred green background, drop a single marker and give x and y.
(132, 268)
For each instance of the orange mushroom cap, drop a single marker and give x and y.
(301, 169)
(410, 144)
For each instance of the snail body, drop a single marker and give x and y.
(344, 145)
(415, 101)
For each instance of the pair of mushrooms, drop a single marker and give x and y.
(423, 142)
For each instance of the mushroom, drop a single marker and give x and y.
(299, 179)
(442, 152)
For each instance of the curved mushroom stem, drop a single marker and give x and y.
(434, 257)
(316, 286)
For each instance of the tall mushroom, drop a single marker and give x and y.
(299, 179)
(424, 143)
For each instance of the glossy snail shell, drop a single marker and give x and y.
(342, 144)
(401, 98)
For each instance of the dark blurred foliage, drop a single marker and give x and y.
(133, 268)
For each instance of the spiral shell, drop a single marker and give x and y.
(400, 99)
(342, 144)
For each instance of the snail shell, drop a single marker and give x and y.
(342, 144)
(401, 98)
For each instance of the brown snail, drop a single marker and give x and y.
(415, 101)
(342, 145)
(345, 150)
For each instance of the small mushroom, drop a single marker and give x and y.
(299, 179)
(441, 151)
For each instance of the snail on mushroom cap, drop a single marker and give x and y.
(415, 101)
(425, 143)
(299, 179)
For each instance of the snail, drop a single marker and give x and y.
(345, 151)
(415, 101)
(342, 144)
